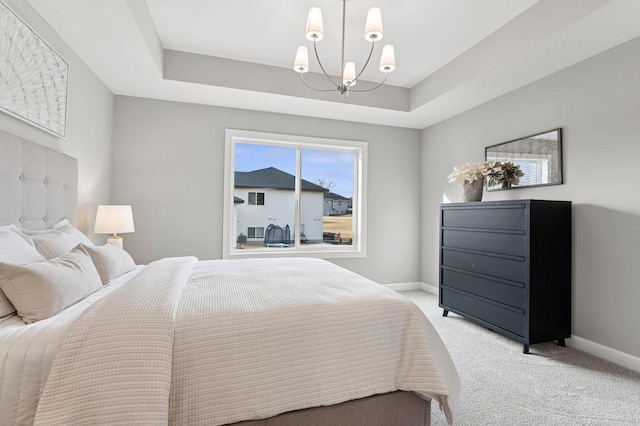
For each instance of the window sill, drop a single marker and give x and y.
(285, 252)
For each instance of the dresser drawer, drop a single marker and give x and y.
(508, 294)
(492, 242)
(507, 217)
(503, 317)
(494, 266)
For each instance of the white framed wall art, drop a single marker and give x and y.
(33, 76)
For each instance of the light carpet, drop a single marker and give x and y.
(550, 386)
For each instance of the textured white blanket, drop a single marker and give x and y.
(27, 352)
(215, 342)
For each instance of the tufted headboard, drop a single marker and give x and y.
(38, 185)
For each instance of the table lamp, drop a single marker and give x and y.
(113, 220)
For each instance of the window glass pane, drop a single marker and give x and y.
(265, 174)
(326, 207)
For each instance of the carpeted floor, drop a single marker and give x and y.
(550, 386)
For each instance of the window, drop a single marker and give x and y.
(255, 232)
(315, 189)
(256, 198)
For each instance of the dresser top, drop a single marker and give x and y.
(503, 203)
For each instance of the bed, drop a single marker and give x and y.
(186, 341)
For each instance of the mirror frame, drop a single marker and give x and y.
(558, 153)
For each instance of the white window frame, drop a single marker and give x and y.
(359, 148)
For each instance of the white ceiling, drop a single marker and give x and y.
(451, 55)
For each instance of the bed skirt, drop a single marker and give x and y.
(396, 408)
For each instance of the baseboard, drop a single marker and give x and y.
(412, 286)
(604, 352)
(403, 286)
(429, 288)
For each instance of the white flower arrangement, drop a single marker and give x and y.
(469, 172)
(496, 172)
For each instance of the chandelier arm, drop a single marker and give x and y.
(373, 44)
(321, 67)
(386, 73)
(313, 88)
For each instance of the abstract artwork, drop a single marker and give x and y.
(33, 76)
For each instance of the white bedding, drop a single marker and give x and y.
(26, 354)
(214, 342)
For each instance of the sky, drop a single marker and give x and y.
(337, 167)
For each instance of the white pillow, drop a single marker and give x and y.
(41, 290)
(57, 240)
(110, 261)
(9, 227)
(14, 249)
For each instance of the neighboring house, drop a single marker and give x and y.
(335, 204)
(269, 196)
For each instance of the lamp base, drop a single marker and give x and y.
(116, 241)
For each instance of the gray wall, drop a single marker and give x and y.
(89, 124)
(597, 104)
(169, 161)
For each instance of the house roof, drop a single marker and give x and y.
(237, 200)
(272, 178)
(334, 196)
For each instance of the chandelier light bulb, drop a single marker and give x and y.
(373, 28)
(301, 63)
(315, 29)
(349, 75)
(388, 59)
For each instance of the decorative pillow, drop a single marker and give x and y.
(41, 290)
(110, 261)
(14, 249)
(57, 240)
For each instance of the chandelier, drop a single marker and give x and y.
(372, 33)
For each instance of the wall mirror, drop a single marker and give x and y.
(539, 157)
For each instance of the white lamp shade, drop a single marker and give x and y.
(301, 63)
(114, 220)
(373, 27)
(315, 29)
(349, 75)
(388, 59)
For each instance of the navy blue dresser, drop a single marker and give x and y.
(507, 266)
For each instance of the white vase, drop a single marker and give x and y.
(472, 191)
